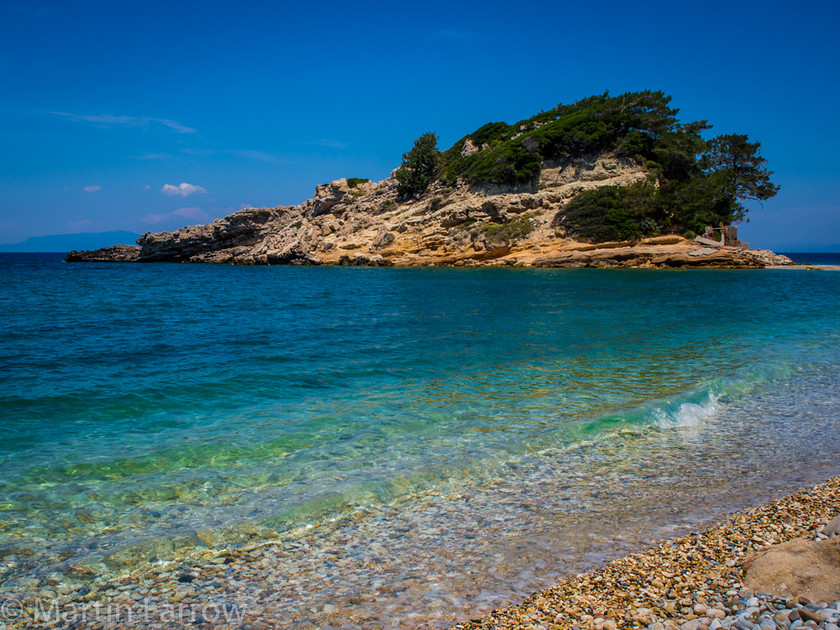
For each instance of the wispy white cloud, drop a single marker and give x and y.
(182, 190)
(92, 188)
(106, 120)
(152, 156)
(174, 126)
(191, 214)
(109, 120)
(259, 156)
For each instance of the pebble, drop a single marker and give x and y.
(807, 615)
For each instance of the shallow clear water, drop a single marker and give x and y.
(569, 409)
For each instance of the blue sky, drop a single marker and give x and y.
(154, 115)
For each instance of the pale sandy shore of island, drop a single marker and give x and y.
(699, 582)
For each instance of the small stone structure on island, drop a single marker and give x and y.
(724, 236)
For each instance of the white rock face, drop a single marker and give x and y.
(469, 148)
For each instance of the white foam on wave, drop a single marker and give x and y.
(687, 414)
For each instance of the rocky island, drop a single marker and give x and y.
(604, 182)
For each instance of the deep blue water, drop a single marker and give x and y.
(814, 258)
(151, 400)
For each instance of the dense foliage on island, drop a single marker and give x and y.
(693, 181)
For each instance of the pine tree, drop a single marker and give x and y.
(741, 173)
(419, 166)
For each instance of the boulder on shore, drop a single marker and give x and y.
(797, 568)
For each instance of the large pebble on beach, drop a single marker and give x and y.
(796, 568)
(832, 528)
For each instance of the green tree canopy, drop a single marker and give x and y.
(691, 182)
(734, 163)
(419, 166)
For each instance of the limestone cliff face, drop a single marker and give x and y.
(366, 224)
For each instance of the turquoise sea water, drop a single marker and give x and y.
(148, 401)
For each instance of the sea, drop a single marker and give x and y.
(431, 443)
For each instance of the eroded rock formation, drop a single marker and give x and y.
(364, 223)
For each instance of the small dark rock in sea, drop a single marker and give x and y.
(117, 253)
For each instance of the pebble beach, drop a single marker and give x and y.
(695, 582)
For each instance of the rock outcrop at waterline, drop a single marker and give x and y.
(365, 223)
(115, 253)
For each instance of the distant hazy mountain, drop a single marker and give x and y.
(68, 242)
